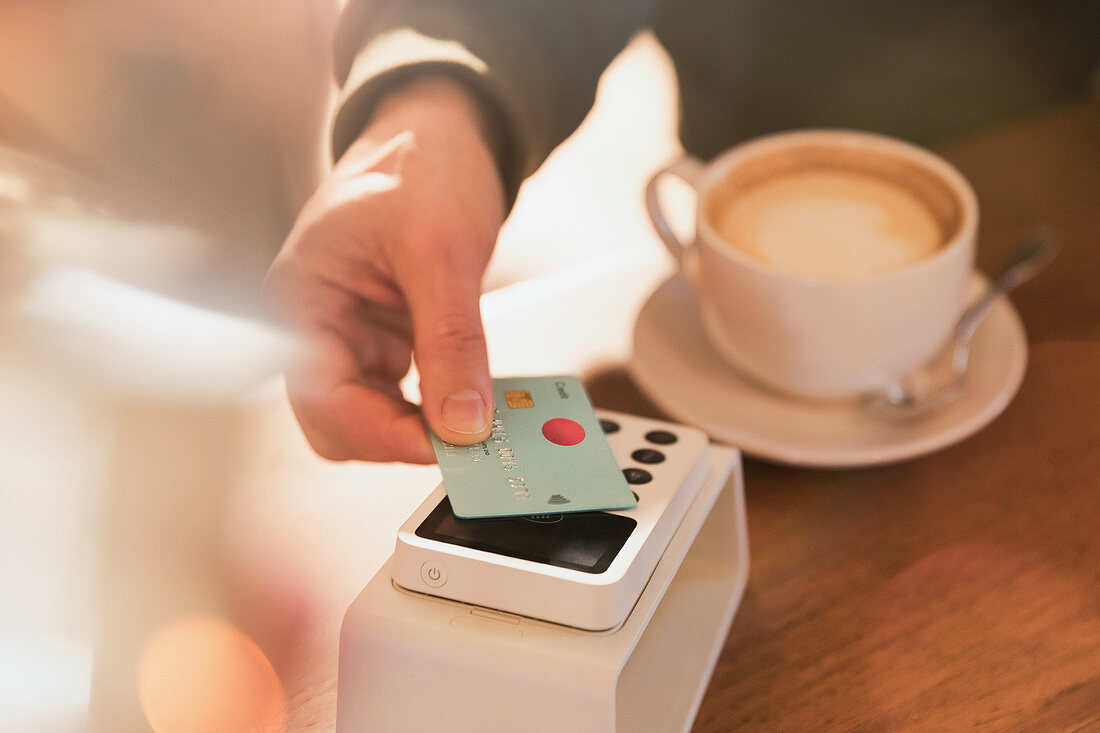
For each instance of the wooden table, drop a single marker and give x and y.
(960, 590)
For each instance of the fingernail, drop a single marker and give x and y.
(464, 412)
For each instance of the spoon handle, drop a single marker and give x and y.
(1034, 252)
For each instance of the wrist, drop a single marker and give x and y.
(436, 92)
(445, 118)
(429, 101)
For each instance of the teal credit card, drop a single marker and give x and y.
(546, 454)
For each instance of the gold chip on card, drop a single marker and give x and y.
(518, 398)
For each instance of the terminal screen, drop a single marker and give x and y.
(584, 541)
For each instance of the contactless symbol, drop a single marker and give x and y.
(517, 398)
(562, 431)
(557, 499)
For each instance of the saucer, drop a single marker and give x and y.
(675, 365)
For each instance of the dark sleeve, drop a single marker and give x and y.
(532, 64)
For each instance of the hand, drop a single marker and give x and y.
(385, 263)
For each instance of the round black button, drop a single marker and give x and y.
(609, 426)
(637, 475)
(636, 497)
(647, 455)
(661, 437)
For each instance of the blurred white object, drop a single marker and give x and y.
(118, 441)
(142, 343)
(44, 684)
(138, 252)
(119, 409)
(52, 218)
(52, 456)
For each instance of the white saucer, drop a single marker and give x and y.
(675, 365)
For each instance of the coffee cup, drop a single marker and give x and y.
(826, 263)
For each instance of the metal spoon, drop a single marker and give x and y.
(941, 380)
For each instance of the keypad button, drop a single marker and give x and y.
(637, 476)
(609, 426)
(647, 455)
(661, 437)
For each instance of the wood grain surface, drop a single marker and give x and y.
(957, 591)
(960, 590)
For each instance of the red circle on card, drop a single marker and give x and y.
(563, 431)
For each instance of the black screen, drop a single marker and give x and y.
(585, 541)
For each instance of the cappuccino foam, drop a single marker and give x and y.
(825, 223)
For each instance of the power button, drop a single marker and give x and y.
(433, 574)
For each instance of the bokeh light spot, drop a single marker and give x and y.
(203, 674)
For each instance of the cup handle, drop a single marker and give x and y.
(689, 169)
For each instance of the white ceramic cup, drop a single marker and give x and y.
(821, 337)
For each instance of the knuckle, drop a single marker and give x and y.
(457, 333)
(319, 440)
(326, 448)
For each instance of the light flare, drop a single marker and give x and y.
(204, 674)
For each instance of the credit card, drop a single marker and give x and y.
(547, 454)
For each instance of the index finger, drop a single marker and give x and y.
(344, 419)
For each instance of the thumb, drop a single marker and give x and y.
(450, 353)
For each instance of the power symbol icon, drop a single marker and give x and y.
(433, 574)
